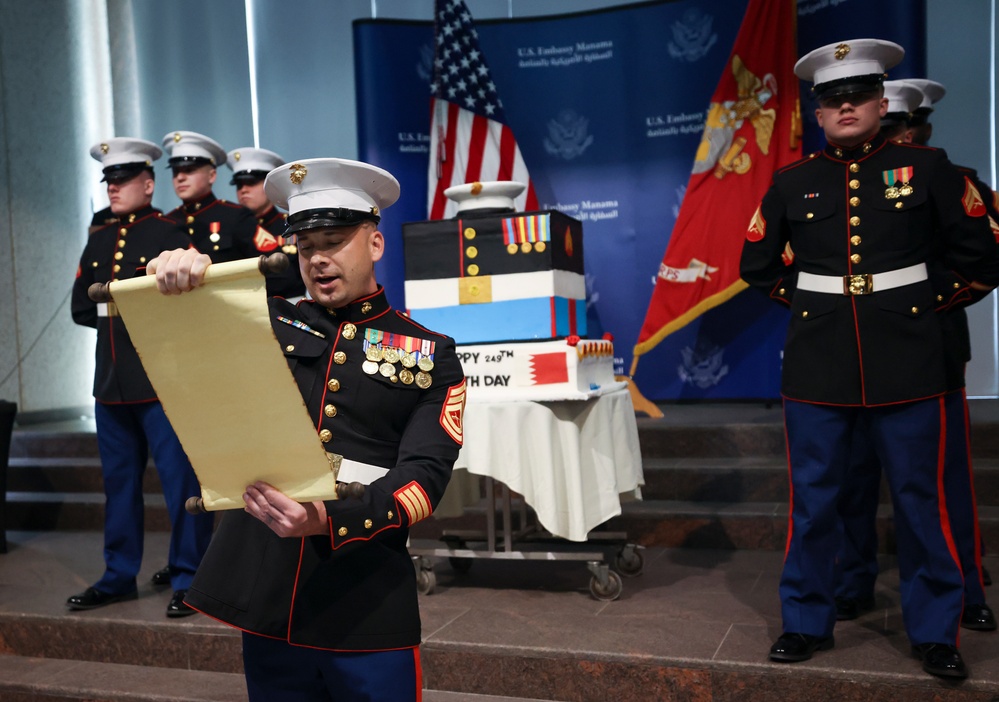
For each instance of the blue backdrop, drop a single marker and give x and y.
(608, 108)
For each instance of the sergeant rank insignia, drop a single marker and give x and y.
(398, 357)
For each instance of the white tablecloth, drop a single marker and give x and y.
(572, 461)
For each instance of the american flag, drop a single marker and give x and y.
(469, 138)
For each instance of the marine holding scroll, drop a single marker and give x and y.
(325, 591)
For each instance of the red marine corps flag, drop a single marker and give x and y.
(751, 130)
(469, 138)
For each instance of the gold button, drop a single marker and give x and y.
(368, 523)
(121, 243)
(95, 264)
(118, 256)
(469, 233)
(123, 231)
(289, 348)
(349, 330)
(854, 184)
(915, 310)
(957, 285)
(939, 298)
(855, 240)
(190, 230)
(804, 314)
(898, 205)
(781, 291)
(855, 221)
(142, 259)
(473, 269)
(329, 410)
(339, 358)
(333, 385)
(215, 248)
(854, 201)
(471, 252)
(116, 268)
(190, 219)
(809, 215)
(855, 258)
(391, 514)
(342, 531)
(325, 436)
(854, 167)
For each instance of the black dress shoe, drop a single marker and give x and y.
(978, 617)
(790, 648)
(852, 607)
(941, 659)
(177, 608)
(161, 577)
(92, 598)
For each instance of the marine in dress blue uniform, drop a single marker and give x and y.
(858, 503)
(866, 220)
(250, 167)
(226, 231)
(329, 610)
(131, 423)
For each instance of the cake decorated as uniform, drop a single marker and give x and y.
(509, 287)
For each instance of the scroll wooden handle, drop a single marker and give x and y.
(100, 292)
(277, 262)
(195, 505)
(354, 490)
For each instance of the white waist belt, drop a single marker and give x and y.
(357, 472)
(863, 283)
(107, 309)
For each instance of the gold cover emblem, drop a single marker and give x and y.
(476, 188)
(475, 290)
(374, 210)
(841, 51)
(176, 137)
(298, 173)
(104, 148)
(236, 156)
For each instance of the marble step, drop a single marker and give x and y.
(718, 479)
(24, 679)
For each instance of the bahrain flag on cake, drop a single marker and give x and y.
(753, 128)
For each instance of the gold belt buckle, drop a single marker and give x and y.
(335, 459)
(858, 284)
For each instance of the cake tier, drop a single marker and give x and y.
(538, 370)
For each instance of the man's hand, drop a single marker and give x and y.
(179, 271)
(283, 515)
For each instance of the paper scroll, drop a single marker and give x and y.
(216, 366)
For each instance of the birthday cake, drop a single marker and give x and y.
(563, 369)
(509, 288)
